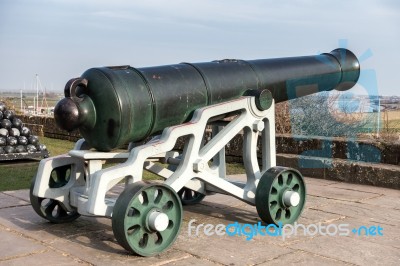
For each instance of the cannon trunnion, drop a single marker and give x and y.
(113, 106)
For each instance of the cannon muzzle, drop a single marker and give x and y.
(112, 106)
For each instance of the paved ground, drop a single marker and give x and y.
(26, 239)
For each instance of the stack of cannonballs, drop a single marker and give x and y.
(14, 137)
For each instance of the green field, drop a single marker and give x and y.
(19, 174)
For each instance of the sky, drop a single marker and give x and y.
(59, 40)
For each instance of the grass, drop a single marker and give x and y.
(235, 169)
(19, 174)
(56, 146)
(16, 176)
(394, 125)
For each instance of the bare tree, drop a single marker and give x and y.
(390, 130)
(325, 114)
(282, 118)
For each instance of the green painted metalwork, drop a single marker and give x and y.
(130, 219)
(270, 193)
(112, 106)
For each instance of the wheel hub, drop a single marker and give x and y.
(291, 198)
(158, 221)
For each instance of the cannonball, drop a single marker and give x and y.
(9, 149)
(25, 132)
(20, 149)
(5, 123)
(31, 148)
(1, 115)
(2, 151)
(34, 140)
(3, 132)
(3, 141)
(14, 132)
(12, 141)
(17, 123)
(8, 114)
(22, 140)
(41, 147)
(2, 106)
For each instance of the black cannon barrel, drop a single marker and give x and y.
(112, 106)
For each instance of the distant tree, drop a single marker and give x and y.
(51, 94)
(282, 118)
(390, 130)
(6, 101)
(323, 114)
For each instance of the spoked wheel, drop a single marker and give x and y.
(187, 196)
(280, 196)
(190, 197)
(50, 209)
(147, 218)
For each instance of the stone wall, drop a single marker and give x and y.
(372, 151)
(332, 148)
(46, 126)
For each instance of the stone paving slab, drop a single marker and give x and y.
(228, 250)
(24, 219)
(366, 212)
(59, 259)
(191, 261)
(14, 245)
(7, 201)
(27, 239)
(316, 201)
(385, 201)
(366, 188)
(19, 194)
(351, 250)
(102, 249)
(391, 234)
(330, 192)
(303, 258)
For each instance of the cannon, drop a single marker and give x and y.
(151, 109)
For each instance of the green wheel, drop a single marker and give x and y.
(50, 209)
(190, 197)
(147, 218)
(280, 195)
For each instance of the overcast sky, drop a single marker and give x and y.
(59, 40)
